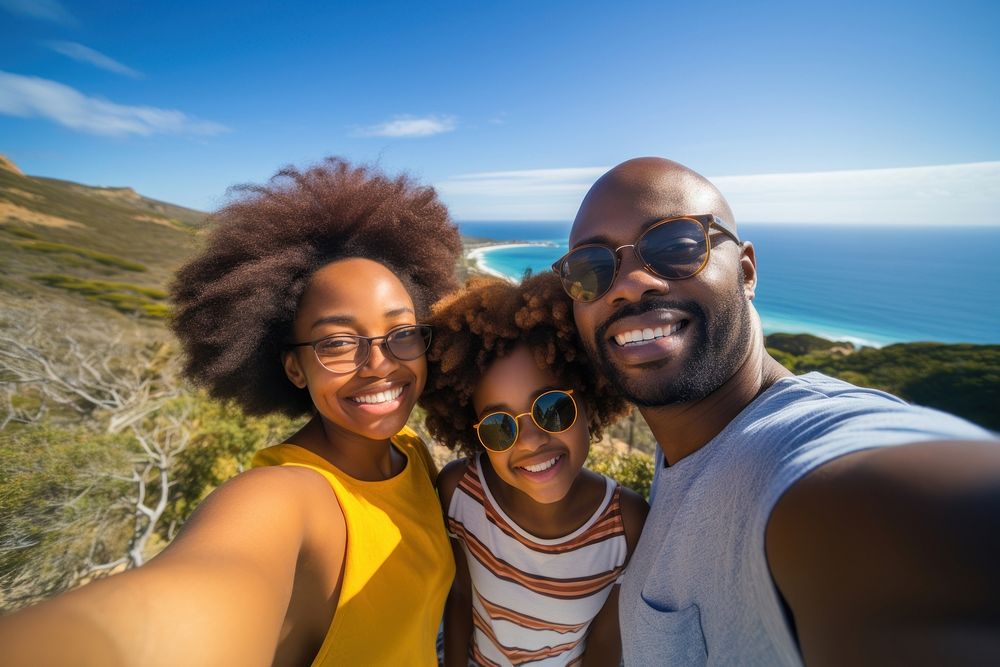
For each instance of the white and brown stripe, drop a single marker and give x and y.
(534, 599)
(607, 526)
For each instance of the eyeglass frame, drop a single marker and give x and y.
(531, 411)
(706, 221)
(370, 340)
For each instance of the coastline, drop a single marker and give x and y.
(783, 318)
(775, 325)
(476, 256)
(477, 261)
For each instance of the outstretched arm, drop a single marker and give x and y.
(217, 595)
(890, 556)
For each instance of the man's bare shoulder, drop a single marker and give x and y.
(893, 549)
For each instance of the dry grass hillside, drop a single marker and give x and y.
(108, 249)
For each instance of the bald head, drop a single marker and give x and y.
(661, 340)
(651, 187)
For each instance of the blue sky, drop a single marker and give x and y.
(826, 112)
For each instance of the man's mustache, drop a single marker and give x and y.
(644, 306)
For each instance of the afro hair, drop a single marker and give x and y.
(487, 320)
(236, 301)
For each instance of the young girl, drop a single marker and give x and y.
(540, 542)
(308, 298)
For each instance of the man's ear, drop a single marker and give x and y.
(748, 262)
(293, 370)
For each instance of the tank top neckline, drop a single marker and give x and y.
(609, 488)
(319, 461)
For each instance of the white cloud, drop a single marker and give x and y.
(45, 10)
(28, 97)
(85, 54)
(955, 194)
(530, 194)
(410, 126)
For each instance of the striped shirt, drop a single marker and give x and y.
(534, 598)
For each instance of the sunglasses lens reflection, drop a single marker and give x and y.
(498, 431)
(555, 411)
(675, 249)
(588, 272)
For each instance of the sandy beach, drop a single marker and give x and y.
(477, 256)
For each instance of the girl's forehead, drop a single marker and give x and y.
(353, 288)
(513, 376)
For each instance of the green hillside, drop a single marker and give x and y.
(94, 245)
(962, 379)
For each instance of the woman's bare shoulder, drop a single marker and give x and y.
(273, 503)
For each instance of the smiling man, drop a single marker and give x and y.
(794, 518)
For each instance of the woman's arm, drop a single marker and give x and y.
(217, 595)
(458, 608)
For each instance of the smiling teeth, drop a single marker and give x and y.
(539, 467)
(642, 335)
(380, 397)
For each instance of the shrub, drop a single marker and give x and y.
(92, 255)
(123, 297)
(632, 469)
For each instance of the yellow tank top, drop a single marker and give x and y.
(398, 567)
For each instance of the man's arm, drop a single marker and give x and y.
(217, 595)
(890, 556)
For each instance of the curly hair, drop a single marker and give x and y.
(487, 320)
(235, 302)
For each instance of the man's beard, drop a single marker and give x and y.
(717, 350)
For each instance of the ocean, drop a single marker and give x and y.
(871, 285)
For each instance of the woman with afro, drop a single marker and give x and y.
(309, 298)
(540, 542)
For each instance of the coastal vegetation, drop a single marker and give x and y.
(71, 253)
(958, 378)
(123, 297)
(107, 451)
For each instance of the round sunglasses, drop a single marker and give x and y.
(673, 248)
(553, 412)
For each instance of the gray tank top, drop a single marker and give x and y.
(698, 589)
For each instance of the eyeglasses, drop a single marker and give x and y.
(345, 353)
(674, 248)
(553, 412)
